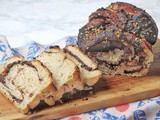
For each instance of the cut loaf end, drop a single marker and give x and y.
(23, 83)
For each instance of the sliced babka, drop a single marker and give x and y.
(88, 68)
(25, 83)
(65, 72)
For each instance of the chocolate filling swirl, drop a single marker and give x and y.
(5, 73)
(119, 26)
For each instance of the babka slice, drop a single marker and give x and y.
(88, 68)
(65, 73)
(25, 83)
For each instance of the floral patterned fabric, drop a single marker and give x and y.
(148, 109)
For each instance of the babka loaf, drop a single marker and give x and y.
(65, 72)
(25, 83)
(119, 38)
(88, 68)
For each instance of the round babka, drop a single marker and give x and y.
(119, 38)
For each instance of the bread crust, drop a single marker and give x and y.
(119, 26)
(111, 22)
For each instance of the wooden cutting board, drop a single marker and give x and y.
(116, 90)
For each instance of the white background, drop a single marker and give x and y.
(46, 21)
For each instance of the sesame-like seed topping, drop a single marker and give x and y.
(146, 25)
(123, 26)
(136, 39)
(133, 32)
(122, 40)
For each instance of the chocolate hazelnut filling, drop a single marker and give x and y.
(77, 58)
(3, 78)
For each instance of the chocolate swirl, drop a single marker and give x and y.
(119, 26)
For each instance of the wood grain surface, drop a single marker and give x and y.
(116, 90)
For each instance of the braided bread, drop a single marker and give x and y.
(119, 38)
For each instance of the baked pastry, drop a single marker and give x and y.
(119, 38)
(25, 83)
(88, 68)
(65, 72)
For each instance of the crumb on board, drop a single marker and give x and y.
(85, 99)
(75, 104)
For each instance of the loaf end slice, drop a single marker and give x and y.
(23, 83)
